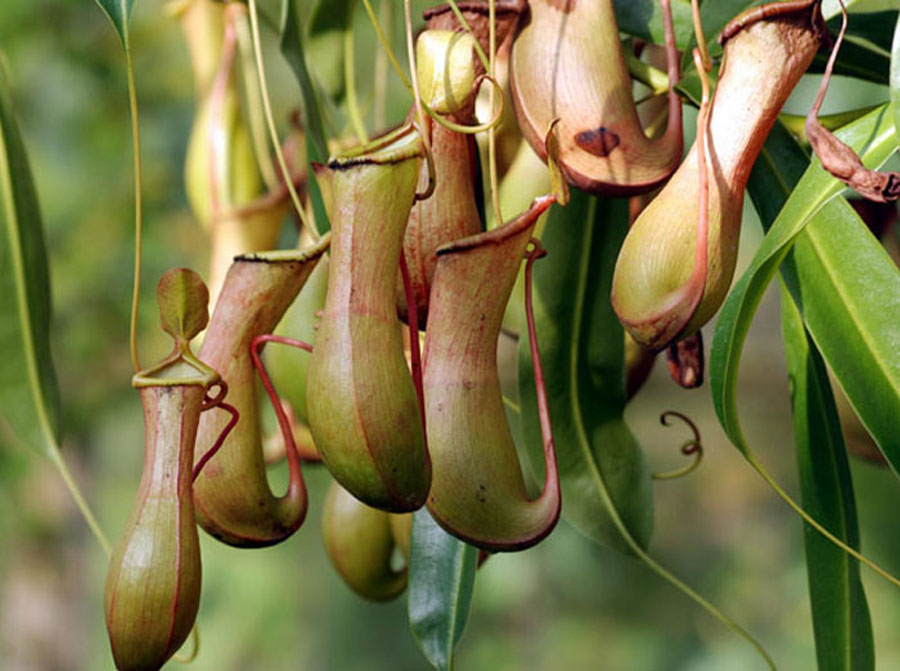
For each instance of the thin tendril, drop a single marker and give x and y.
(287, 430)
(385, 44)
(359, 127)
(551, 478)
(83, 507)
(216, 446)
(492, 136)
(701, 40)
(255, 112)
(195, 648)
(692, 447)
(270, 120)
(472, 130)
(420, 113)
(485, 61)
(826, 77)
(138, 210)
(797, 508)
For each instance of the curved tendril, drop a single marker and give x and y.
(701, 40)
(465, 24)
(480, 128)
(417, 99)
(190, 656)
(270, 119)
(692, 447)
(287, 432)
(492, 136)
(415, 355)
(210, 402)
(386, 44)
(534, 252)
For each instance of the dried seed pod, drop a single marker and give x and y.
(231, 494)
(566, 63)
(478, 492)
(364, 414)
(360, 543)
(766, 51)
(153, 582)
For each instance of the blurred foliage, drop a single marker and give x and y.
(567, 604)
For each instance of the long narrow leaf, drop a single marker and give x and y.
(29, 396)
(601, 464)
(841, 621)
(316, 143)
(329, 22)
(873, 136)
(293, 51)
(441, 580)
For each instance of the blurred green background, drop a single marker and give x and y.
(566, 604)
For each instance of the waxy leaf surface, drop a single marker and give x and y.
(841, 621)
(441, 580)
(29, 396)
(851, 306)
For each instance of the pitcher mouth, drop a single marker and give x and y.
(498, 235)
(288, 255)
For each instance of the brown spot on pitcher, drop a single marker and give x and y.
(597, 141)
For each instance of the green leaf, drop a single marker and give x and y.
(873, 137)
(604, 476)
(292, 49)
(441, 580)
(843, 629)
(316, 143)
(865, 53)
(840, 613)
(848, 291)
(118, 11)
(643, 18)
(328, 23)
(895, 76)
(29, 396)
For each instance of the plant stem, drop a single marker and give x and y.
(270, 120)
(492, 136)
(138, 210)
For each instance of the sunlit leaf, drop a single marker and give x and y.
(329, 22)
(843, 629)
(872, 136)
(29, 396)
(602, 470)
(840, 614)
(316, 143)
(441, 580)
